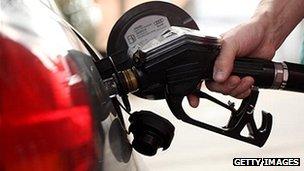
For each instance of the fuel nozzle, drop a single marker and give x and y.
(130, 80)
(118, 82)
(123, 82)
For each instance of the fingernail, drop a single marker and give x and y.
(194, 103)
(218, 75)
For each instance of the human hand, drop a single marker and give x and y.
(260, 37)
(249, 39)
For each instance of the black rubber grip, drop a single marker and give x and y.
(295, 80)
(261, 70)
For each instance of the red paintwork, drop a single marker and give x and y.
(45, 123)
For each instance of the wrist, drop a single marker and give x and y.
(265, 19)
(278, 18)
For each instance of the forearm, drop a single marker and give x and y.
(279, 18)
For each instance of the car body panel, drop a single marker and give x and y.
(54, 111)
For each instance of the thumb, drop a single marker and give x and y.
(224, 62)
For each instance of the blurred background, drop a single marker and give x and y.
(194, 148)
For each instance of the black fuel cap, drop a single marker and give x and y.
(150, 132)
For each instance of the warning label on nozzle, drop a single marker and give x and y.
(145, 29)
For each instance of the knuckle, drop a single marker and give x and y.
(233, 82)
(212, 86)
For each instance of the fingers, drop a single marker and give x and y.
(244, 94)
(234, 86)
(223, 82)
(224, 87)
(247, 39)
(243, 89)
(224, 62)
(193, 101)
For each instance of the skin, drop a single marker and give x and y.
(259, 37)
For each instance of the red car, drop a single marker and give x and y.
(54, 111)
